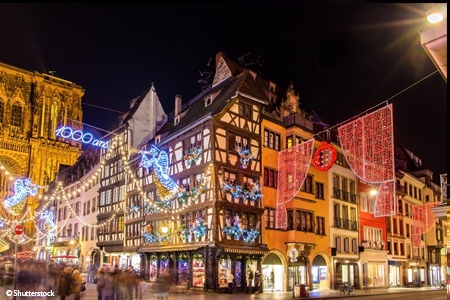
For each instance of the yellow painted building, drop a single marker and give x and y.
(307, 213)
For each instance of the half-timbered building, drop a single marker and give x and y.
(212, 224)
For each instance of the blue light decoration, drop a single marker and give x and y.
(185, 193)
(152, 236)
(22, 188)
(48, 218)
(250, 191)
(192, 155)
(184, 231)
(250, 235)
(134, 209)
(246, 157)
(166, 188)
(234, 228)
(78, 136)
(199, 228)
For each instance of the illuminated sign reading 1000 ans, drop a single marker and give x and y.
(78, 135)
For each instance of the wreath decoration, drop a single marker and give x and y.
(324, 157)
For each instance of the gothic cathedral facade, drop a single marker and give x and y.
(33, 106)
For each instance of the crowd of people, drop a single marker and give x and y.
(67, 282)
(117, 284)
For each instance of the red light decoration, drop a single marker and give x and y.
(324, 157)
(423, 220)
(293, 166)
(368, 146)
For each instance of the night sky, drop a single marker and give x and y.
(342, 58)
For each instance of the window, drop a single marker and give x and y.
(241, 142)
(336, 187)
(320, 225)
(289, 141)
(319, 190)
(2, 111)
(371, 204)
(354, 246)
(363, 201)
(102, 199)
(108, 197)
(346, 245)
(308, 184)
(77, 208)
(272, 140)
(115, 195)
(401, 227)
(16, 116)
(270, 177)
(337, 242)
(75, 230)
(290, 219)
(270, 218)
(245, 110)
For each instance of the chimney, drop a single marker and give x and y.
(177, 105)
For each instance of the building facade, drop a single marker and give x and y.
(32, 107)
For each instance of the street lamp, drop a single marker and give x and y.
(293, 255)
(437, 13)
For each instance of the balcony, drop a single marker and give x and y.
(298, 120)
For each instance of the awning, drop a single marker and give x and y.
(169, 248)
(246, 250)
(64, 256)
(272, 259)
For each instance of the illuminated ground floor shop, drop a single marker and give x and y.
(203, 266)
(346, 271)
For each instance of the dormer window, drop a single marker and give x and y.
(157, 139)
(208, 101)
(176, 120)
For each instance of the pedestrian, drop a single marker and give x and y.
(250, 282)
(91, 269)
(75, 287)
(257, 281)
(230, 281)
(131, 281)
(65, 281)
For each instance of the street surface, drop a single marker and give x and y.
(422, 293)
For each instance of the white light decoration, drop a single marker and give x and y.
(22, 188)
(48, 218)
(166, 188)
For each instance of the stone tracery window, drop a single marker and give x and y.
(16, 116)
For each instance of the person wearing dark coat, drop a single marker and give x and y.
(65, 283)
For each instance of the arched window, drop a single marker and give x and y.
(53, 119)
(16, 116)
(2, 111)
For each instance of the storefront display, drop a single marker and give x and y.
(183, 272)
(153, 270)
(224, 268)
(237, 276)
(198, 272)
